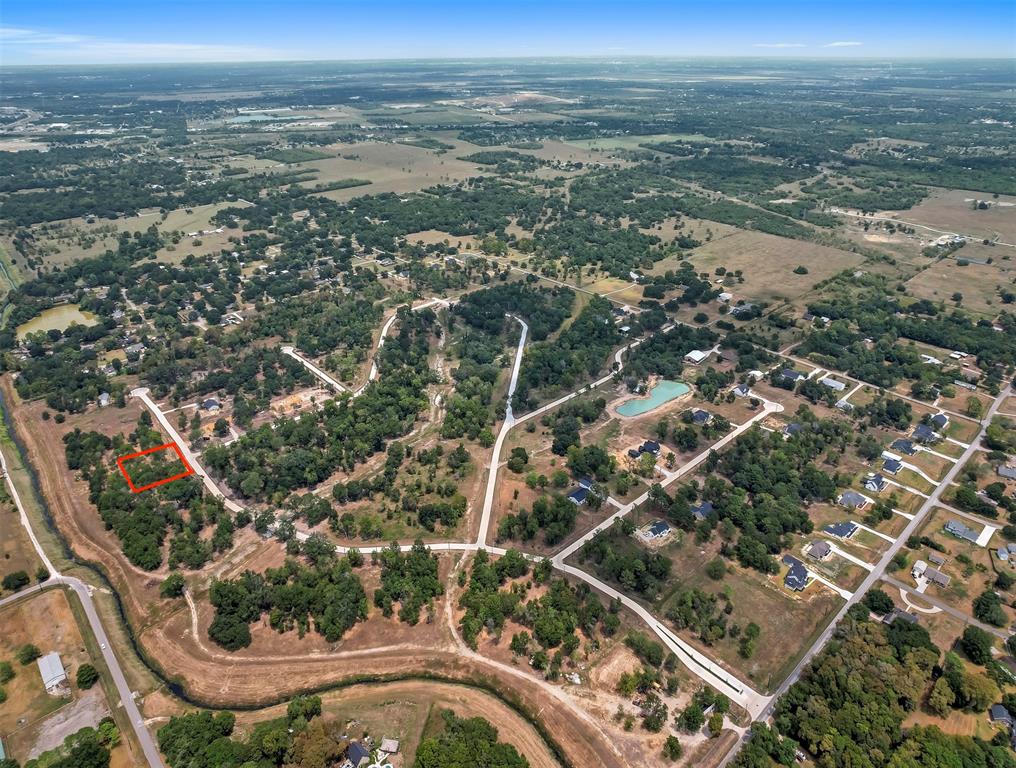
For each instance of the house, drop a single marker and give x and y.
(724, 297)
(924, 434)
(210, 404)
(1003, 554)
(696, 356)
(904, 446)
(797, 575)
(933, 575)
(650, 446)
(389, 746)
(892, 466)
(578, 496)
(791, 375)
(875, 483)
(936, 558)
(819, 550)
(999, 714)
(702, 511)
(930, 360)
(135, 350)
(742, 390)
(896, 613)
(844, 405)
(839, 386)
(586, 482)
(792, 429)
(52, 671)
(356, 755)
(843, 530)
(939, 421)
(1012, 548)
(960, 531)
(1009, 473)
(698, 416)
(658, 530)
(742, 310)
(104, 399)
(807, 317)
(852, 500)
(636, 276)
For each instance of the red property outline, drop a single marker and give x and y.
(186, 473)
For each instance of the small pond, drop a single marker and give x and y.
(60, 317)
(662, 392)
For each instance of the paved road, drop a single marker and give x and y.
(879, 569)
(291, 351)
(83, 592)
(1000, 633)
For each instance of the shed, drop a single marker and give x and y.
(52, 671)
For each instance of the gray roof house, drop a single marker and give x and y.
(699, 416)
(876, 483)
(792, 375)
(578, 496)
(925, 434)
(852, 500)
(892, 466)
(1000, 714)
(960, 531)
(904, 446)
(897, 613)
(701, 511)
(1009, 473)
(839, 386)
(939, 421)
(819, 550)
(52, 671)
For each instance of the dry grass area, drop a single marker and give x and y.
(978, 284)
(17, 551)
(952, 210)
(768, 262)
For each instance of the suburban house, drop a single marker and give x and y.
(960, 531)
(1003, 554)
(897, 613)
(724, 297)
(698, 416)
(936, 559)
(892, 466)
(797, 576)
(924, 434)
(742, 390)
(933, 575)
(104, 399)
(1009, 473)
(999, 714)
(696, 356)
(839, 386)
(852, 500)
(940, 421)
(578, 496)
(904, 446)
(701, 511)
(650, 446)
(791, 375)
(793, 428)
(356, 755)
(844, 405)
(819, 550)
(657, 530)
(843, 530)
(742, 310)
(211, 405)
(875, 483)
(52, 671)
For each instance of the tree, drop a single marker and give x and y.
(27, 653)
(672, 749)
(877, 601)
(988, 608)
(716, 569)
(978, 692)
(715, 724)
(691, 718)
(172, 586)
(87, 676)
(975, 408)
(941, 698)
(976, 644)
(520, 643)
(6, 672)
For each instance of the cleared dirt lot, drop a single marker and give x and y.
(952, 210)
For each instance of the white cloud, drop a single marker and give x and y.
(779, 45)
(29, 46)
(843, 44)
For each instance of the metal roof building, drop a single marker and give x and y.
(51, 669)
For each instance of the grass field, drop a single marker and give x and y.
(977, 283)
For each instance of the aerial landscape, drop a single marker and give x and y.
(375, 403)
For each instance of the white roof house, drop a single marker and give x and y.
(52, 671)
(696, 356)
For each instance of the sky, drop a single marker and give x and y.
(153, 31)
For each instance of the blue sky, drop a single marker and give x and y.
(117, 31)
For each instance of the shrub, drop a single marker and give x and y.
(87, 676)
(27, 653)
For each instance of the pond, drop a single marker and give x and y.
(662, 392)
(60, 317)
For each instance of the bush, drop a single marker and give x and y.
(800, 270)
(716, 569)
(87, 676)
(878, 601)
(15, 580)
(672, 749)
(6, 672)
(27, 653)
